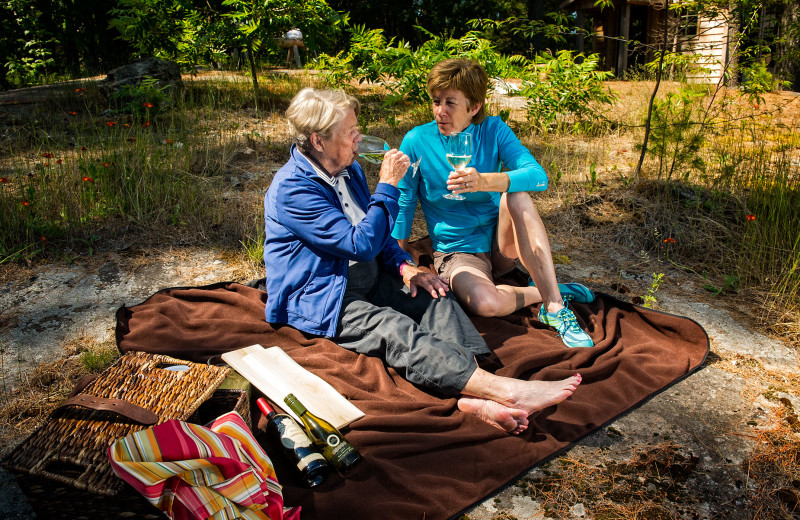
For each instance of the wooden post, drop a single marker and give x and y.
(624, 34)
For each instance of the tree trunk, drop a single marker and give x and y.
(536, 13)
(252, 61)
(732, 58)
(664, 42)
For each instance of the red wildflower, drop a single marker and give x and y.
(750, 217)
(111, 123)
(59, 161)
(106, 165)
(145, 124)
(126, 125)
(168, 141)
(147, 105)
(48, 155)
(88, 179)
(80, 90)
(669, 240)
(47, 164)
(43, 239)
(3, 180)
(131, 139)
(73, 113)
(83, 148)
(25, 203)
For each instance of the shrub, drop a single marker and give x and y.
(403, 69)
(565, 91)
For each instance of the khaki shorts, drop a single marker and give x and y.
(492, 265)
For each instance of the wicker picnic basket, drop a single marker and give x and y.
(142, 390)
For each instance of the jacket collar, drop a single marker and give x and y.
(311, 167)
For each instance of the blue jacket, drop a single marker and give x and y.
(309, 243)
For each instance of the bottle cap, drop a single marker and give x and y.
(264, 406)
(296, 406)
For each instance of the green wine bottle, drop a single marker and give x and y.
(334, 447)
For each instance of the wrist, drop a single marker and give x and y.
(405, 264)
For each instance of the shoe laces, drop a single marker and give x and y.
(569, 322)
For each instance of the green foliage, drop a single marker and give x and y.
(566, 91)
(27, 45)
(179, 30)
(676, 138)
(96, 360)
(563, 91)
(256, 24)
(404, 70)
(547, 33)
(731, 284)
(145, 100)
(44, 40)
(675, 66)
(650, 299)
(757, 81)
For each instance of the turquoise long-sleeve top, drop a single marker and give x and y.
(468, 225)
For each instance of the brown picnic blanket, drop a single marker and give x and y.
(422, 457)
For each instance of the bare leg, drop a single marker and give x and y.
(515, 398)
(521, 234)
(482, 297)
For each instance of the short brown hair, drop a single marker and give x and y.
(467, 76)
(317, 111)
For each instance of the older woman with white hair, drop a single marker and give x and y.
(333, 270)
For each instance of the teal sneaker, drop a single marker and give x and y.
(565, 322)
(571, 292)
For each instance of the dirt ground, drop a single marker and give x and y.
(692, 451)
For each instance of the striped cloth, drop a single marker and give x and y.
(189, 471)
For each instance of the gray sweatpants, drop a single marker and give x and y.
(429, 341)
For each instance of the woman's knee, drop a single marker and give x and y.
(519, 203)
(485, 303)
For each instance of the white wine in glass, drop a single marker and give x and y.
(372, 148)
(459, 153)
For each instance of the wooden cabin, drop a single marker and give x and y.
(628, 35)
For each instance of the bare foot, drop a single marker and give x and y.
(511, 420)
(516, 394)
(535, 395)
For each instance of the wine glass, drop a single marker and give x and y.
(372, 148)
(459, 153)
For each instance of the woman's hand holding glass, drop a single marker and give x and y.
(394, 166)
(465, 181)
(374, 149)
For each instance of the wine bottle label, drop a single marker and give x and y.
(292, 436)
(333, 440)
(340, 450)
(308, 459)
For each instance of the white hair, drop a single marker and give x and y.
(317, 111)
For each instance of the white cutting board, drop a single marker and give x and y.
(273, 372)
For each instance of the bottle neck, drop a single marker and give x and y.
(265, 408)
(295, 405)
